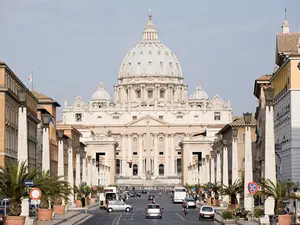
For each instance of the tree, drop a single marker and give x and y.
(279, 192)
(216, 188)
(12, 184)
(232, 190)
(52, 187)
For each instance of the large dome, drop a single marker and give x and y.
(150, 57)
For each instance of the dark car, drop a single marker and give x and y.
(150, 197)
(139, 194)
(144, 192)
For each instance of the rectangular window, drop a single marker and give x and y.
(134, 153)
(217, 116)
(99, 117)
(138, 94)
(134, 117)
(160, 117)
(196, 118)
(178, 153)
(150, 94)
(161, 153)
(162, 93)
(116, 117)
(78, 117)
(179, 117)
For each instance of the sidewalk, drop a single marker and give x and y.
(72, 217)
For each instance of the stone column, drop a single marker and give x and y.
(212, 170)
(155, 155)
(78, 180)
(203, 172)
(172, 158)
(89, 171)
(225, 172)
(143, 93)
(95, 173)
(248, 177)
(129, 156)
(207, 169)
(46, 149)
(61, 161)
(234, 166)
(84, 170)
(218, 178)
(140, 155)
(124, 162)
(22, 135)
(166, 166)
(270, 156)
(70, 170)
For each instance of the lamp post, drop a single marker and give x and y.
(270, 156)
(22, 127)
(248, 176)
(46, 145)
(70, 169)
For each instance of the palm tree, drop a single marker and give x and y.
(279, 192)
(216, 188)
(232, 190)
(52, 187)
(12, 184)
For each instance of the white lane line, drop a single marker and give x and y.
(180, 217)
(118, 220)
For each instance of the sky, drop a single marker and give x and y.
(72, 45)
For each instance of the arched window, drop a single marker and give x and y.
(135, 143)
(161, 169)
(135, 170)
(161, 142)
(178, 165)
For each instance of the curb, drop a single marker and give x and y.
(82, 219)
(71, 217)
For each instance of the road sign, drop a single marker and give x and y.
(252, 187)
(201, 189)
(193, 189)
(83, 184)
(35, 202)
(35, 194)
(28, 183)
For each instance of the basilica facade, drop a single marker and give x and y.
(152, 129)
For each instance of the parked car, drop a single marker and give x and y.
(144, 192)
(118, 206)
(139, 194)
(206, 212)
(153, 210)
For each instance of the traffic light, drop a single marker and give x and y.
(130, 164)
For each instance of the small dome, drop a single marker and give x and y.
(101, 94)
(198, 93)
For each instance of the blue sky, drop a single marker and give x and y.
(72, 45)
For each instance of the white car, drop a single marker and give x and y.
(207, 212)
(118, 206)
(191, 203)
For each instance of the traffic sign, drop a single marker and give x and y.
(83, 184)
(35, 194)
(252, 187)
(193, 189)
(28, 183)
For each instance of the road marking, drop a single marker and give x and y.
(118, 220)
(180, 217)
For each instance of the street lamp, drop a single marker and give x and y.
(234, 131)
(22, 95)
(247, 118)
(269, 95)
(46, 119)
(70, 142)
(60, 133)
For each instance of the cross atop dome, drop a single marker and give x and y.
(198, 84)
(150, 33)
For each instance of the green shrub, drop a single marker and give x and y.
(227, 215)
(258, 212)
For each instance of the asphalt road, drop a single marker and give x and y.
(172, 214)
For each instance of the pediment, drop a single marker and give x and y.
(144, 120)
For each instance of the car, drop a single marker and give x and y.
(150, 197)
(154, 210)
(144, 192)
(139, 194)
(207, 212)
(191, 203)
(118, 206)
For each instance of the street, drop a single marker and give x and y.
(173, 214)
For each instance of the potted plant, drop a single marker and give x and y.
(79, 192)
(241, 213)
(12, 186)
(232, 190)
(279, 192)
(216, 187)
(62, 197)
(228, 217)
(52, 187)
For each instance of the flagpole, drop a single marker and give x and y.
(32, 81)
